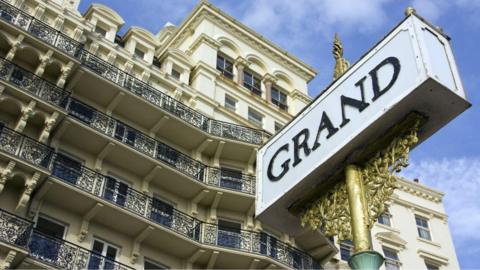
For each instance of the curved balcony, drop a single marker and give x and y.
(113, 74)
(62, 254)
(52, 251)
(14, 230)
(34, 85)
(111, 190)
(152, 209)
(39, 29)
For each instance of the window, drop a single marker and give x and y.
(422, 227)
(391, 259)
(162, 212)
(230, 103)
(115, 191)
(44, 240)
(139, 53)
(346, 250)
(385, 219)
(278, 126)
(431, 266)
(252, 82)
(103, 255)
(255, 117)
(279, 98)
(230, 178)
(225, 66)
(229, 234)
(268, 245)
(100, 30)
(67, 168)
(176, 74)
(149, 264)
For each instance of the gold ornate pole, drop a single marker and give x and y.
(358, 209)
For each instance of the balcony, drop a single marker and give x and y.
(32, 84)
(25, 148)
(110, 190)
(39, 29)
(62, 254)
(58, 253)
(51, 36)
(36, 86)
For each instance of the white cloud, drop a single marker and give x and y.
(459, 179)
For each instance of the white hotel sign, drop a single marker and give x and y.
(411, 69)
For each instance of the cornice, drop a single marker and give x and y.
(203, 38)
(392, 238)
(420, 190)
(431, 256)
(427, 211)
(297, 94)
(208, 11)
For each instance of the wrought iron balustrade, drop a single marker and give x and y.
(65, 255)
(230, 179)
(122, 195)
(39, 29)
(112, 73)
(259, 243)
(14, 229)
(136, 139)
(33, 84)
(24, 147)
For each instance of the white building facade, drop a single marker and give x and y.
(138, 151)
(413, 234)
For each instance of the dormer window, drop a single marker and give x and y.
(139, 53)
(100, 31)
(176, 74)
(252, 82)
(225, 66)
(279, 98)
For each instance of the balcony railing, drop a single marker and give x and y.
(26, 148)
(234, 180)
(112, 73)
(56, 252)
(120, 194)
(109, 189)
(65, 255)
(33, 84)
(39, 29)
(14, 229)
(107, 125)
(135, 139)
(259, 243)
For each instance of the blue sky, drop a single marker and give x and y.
(449, 160)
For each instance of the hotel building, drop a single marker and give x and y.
(138, 151)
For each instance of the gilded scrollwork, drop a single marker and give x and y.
(331, 212)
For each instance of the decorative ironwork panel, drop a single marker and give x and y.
(103, 123)
(36, 153)
(9, 140)
(136, 202)
(210, 234)
(14, 230)
(6, 69)
(43, 31)
(68, 45)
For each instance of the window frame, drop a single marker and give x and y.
(100, 30)
(53, 220)
(136, 52)
(423, 228)
(252, 112)
(277, 126)
(174, 72)
(223, 68)
(155, 263)
(282, 105)
(229, 107)
(251, 85)
(393, 261)
(344, 245)
(388, 216)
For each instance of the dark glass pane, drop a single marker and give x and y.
(67, 168)
(50, 228)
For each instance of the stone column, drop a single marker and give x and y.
(268, 80)
(240, 64)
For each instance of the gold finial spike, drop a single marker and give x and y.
(409, 11)
(341, 65)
